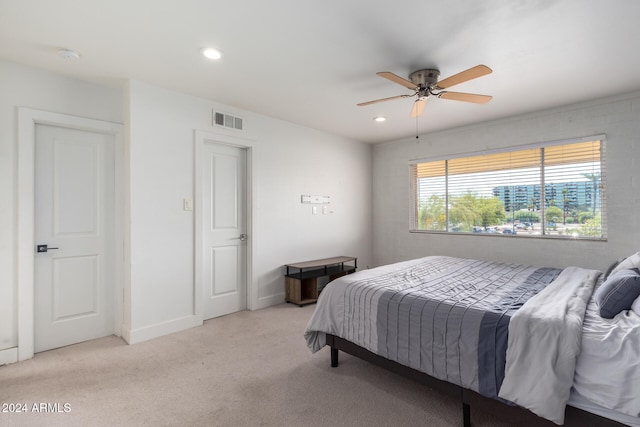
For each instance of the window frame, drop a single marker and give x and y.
(414, 196)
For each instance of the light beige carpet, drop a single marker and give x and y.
(245, 369)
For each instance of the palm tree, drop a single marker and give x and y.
(565, 205)
(595, 179)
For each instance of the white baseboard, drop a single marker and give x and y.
(134, 336)
(9, 355)
(154, 331)
(268, 301)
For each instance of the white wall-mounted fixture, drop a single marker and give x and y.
(315, 199)
(212, 53)
(380, 119)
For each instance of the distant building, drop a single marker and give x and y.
(574, 195)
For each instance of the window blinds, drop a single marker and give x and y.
(563, 182)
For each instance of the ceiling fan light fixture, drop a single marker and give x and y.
(212, 53)
(68, 54)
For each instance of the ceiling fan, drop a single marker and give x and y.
(425, 83)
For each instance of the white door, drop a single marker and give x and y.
(74, 217)
(224, 248)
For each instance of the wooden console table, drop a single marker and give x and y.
(301, 279)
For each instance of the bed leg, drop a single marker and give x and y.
(334, 357)
(466, 415)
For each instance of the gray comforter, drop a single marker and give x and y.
(447, 317)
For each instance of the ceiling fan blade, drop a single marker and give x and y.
(470, 74)
(397, 79)
(418, 107)
(466, 97)
(362, 104)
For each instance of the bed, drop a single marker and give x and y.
(487, 332)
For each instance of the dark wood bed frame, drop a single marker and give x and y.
(574, 417)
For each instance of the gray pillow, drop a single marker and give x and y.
(618, 292)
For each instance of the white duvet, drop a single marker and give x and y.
(608, 370)
(545, 342)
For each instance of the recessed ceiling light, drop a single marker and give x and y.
(379, 118)
(68, 54)
(212, 53)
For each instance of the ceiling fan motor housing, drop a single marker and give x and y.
(425, 78)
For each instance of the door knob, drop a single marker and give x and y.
(242, 237)
(44, 248)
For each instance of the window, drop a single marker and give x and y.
(548, 190)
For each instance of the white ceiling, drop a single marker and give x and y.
(311, 62)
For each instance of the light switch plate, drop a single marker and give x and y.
(187, 204)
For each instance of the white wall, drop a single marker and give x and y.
(288, 160)
(22, 86)
(617, 117)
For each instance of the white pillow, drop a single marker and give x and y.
(636, 306)
(632, 261)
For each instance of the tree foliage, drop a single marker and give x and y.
(492, 211)
(465, 212)
(591, 227)
(553, 214)
(584, 216)
(432, 214)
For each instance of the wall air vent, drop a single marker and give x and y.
(228, 121)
